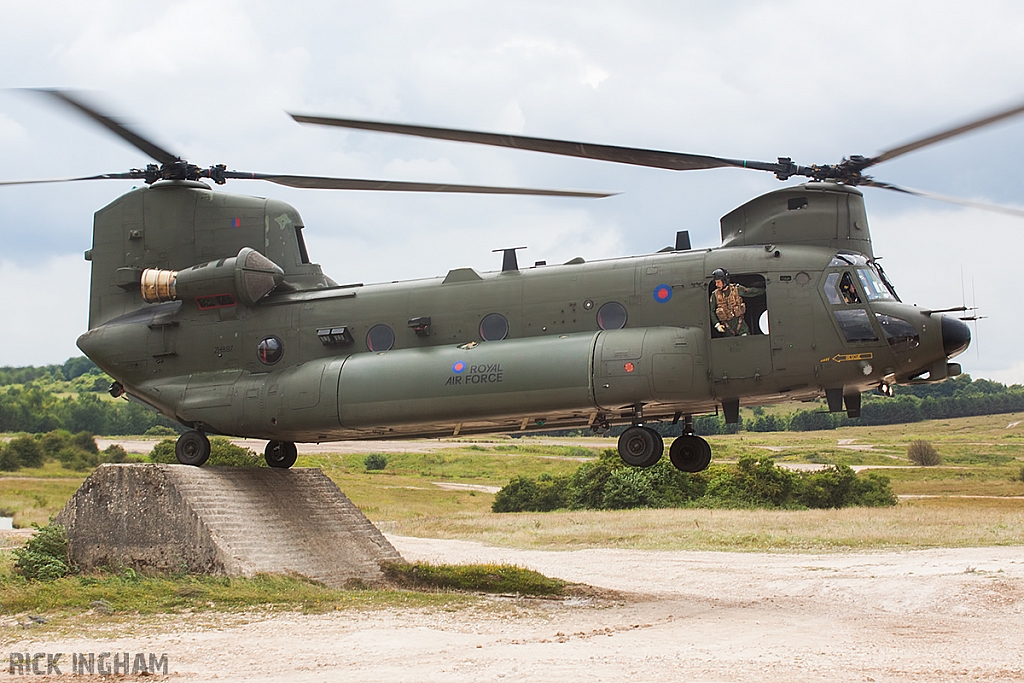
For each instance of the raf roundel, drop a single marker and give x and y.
(662, 293)
(459, 366)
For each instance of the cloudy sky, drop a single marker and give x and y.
(815, 81)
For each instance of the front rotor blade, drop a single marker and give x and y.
(946, 134)
(314, 182)
(676, 161)
(105, 176)
(120, 130)
(1013, 211)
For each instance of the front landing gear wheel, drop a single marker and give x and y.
(640, 447)
(690, 453)
(193, 448)
(280, 454)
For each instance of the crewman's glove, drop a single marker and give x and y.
(720, 327)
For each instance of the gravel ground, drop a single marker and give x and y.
(932, 615)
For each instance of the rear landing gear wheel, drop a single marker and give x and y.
(193, 448)
(690, 453)
(641, 447)
(280, 454)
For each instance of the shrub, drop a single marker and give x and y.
(922, 453)
(8, 461)
(1020, 475)
(85, 441)
(375, 461)
(160, 430)
(45, 557)
(626, 488)
(24, 450)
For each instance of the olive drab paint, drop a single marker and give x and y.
(270, 347)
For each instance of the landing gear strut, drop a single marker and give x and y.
(193, 448)
(641, 446)
(280, 454)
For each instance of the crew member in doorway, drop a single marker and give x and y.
(727, 306)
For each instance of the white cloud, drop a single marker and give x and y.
(45, 307)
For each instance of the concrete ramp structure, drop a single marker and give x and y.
(223, 520)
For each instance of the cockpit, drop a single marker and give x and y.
(858, 324)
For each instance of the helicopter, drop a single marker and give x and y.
(207, 308)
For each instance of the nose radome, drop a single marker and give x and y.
(956, 336)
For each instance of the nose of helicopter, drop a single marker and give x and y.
(956, 336)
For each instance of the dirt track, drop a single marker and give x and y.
(681, 616)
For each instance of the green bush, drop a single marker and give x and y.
(754, 482)
(628, 488)
(923, 453)
(375, 461)
(160, 430)
(523, 494)
(45, 557)
(8, 461)
(25, 451)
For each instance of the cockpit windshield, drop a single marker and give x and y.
(874, 287)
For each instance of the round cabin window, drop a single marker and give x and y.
(611, 316)
(493, 327)
(270, 350)
(380, 338)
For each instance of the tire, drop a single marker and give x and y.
(690, 454)
(280, 454)
(640, 447)
(192, 448)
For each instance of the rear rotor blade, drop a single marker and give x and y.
(1013, 211)
(314, 182)
(946, 134)
(119, 129)
(676, 161)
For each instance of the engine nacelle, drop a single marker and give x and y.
(245, 279)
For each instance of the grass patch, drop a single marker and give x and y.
(486, 578)
(920, 523)
(127, 593)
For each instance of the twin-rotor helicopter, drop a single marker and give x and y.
(206, 307)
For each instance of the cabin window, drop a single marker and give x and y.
(901, 335)
(611, 316)
(380, 338)
(874, 288)
(270, 350)
(740, 309)
(856, 325)
(494, 327)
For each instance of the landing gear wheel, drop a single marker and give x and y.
(641, 447)
(193, 448)
(690, 453)
(280, 454)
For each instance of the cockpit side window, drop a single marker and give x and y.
(847, 290)
(839, 289)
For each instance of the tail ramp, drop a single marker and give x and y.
(225, 521)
